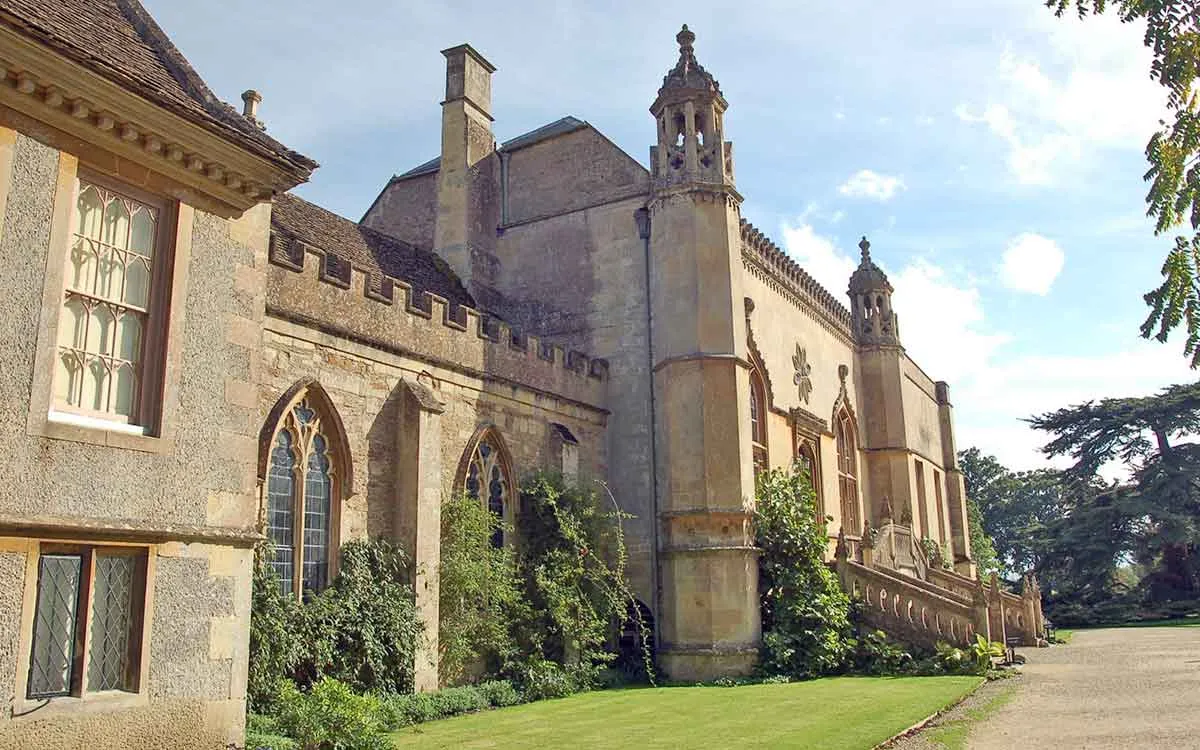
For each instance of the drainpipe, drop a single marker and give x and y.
(504, 188)
(642, 216)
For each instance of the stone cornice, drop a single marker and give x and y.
(40, 84)
(773, 267)
(58, 527)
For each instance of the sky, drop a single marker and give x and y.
(992, 153)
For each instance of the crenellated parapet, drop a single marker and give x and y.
(779, 271)
(332, 293)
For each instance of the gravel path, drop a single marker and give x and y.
(1117, 688)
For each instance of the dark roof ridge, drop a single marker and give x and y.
(561, 126)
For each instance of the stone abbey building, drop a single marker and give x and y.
(196, 359)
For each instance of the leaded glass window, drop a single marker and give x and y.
(107, 304)
(488, 481)
(847, 451)
(51, 662)
(94, 596)
(301, 500)
(281, 492)
(112, 614)
(758, 422)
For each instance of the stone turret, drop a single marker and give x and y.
(708, 601)
(875, 323)
(690, 113)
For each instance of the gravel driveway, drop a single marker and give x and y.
(1116, 688)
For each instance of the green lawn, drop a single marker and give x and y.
(841, 713)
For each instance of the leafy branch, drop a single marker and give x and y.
(1173, 37)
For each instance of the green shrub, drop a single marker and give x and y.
(805, 613)
(574, 593)
(499, 693)
(264, 733)
(331, 716)
(363, 629)
(875, 654)
(274, 648)
(477, 592)
(542, 680)
(398, 711)
(260, 741)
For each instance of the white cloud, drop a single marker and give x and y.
(1088, 88)
(866, 183)
(1031, 263)
(819, 256)
(945, 328)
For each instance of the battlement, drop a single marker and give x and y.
(353, 300)
(766, 255)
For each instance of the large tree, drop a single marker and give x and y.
(1156, 514)
(1015, 507)
(1173, 36)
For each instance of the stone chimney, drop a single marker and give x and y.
(250, 101)
(466, 140)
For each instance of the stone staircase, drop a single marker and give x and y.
(921, 604)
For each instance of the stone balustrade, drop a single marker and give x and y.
(911, 613)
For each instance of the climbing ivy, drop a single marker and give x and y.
(805, 614)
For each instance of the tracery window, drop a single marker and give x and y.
(302, 500)
(806, 457)
(758, 422)
(488, 479)
(110, 330)
(847, 451)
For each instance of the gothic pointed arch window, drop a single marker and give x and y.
(306, 472)
(847, 453)
(758, 421)
(806, 457)
(487, 476)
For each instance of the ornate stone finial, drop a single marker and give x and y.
(995, 582)
(686, 39)
(842, 550)
(906, 516)
(866, 249)
(885, 510)
(868, 534)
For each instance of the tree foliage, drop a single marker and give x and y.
(361, 630)
(1173, 152)
(478, 593)
(571, 569)
(1013, 508)
(805, 614)
(1156, 514)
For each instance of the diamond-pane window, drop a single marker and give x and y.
(51, 663)
(90, 596)
(112, 617)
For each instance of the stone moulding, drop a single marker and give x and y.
(290, 253)
(56, 527)
(773, 266)
(74, 101)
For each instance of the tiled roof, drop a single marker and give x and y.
(367, 249)
(565, 125)
(120, 41)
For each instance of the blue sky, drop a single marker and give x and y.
(992, 153)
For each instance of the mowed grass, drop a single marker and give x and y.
(841, 713)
